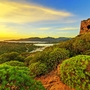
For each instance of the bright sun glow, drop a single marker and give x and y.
(20, 19)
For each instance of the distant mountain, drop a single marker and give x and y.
(46, 39)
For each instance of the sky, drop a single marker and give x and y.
(42, 18)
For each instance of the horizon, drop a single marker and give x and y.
(37, 18)
(34, 37)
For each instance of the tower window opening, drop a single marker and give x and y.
(88, 26)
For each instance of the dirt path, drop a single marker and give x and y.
(51, 81)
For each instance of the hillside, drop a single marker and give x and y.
(60, 67)
(80, 45)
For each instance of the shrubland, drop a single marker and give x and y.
(78, 45)
(71, 54)
(45, 61)
(54, 55)
(6, 47)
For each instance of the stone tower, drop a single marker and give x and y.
(85, 26)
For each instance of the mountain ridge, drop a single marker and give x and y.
(46, 39)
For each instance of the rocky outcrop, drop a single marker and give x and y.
(85, 26)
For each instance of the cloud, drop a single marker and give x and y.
(68, 28)
(16, 12)
(44, 28)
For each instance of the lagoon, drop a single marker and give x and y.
(45, 45)
(33, 42)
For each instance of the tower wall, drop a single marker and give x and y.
(85, 26)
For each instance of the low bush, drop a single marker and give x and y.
(32, 58)
(75, 72)
(38, 68)
(17, 78)
(45, 61)
(56, 56)
(11, 56)
(15, 63)
(77, 45)
(28, 59)
(87, 52)
(53, 57)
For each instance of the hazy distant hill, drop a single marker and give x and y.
(46, 39)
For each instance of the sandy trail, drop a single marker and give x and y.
(52, 81)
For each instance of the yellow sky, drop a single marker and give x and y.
(22, 13)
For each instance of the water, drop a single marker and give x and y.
(26, 42)
(41, 48)
(45, 45)
(36, 43)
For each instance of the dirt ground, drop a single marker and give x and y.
(52, 81)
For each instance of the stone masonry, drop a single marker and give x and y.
(85, 26)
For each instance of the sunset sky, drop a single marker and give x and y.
(42, 18)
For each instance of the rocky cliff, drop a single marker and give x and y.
(85, 26)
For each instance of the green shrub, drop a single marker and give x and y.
(38, 68)
(75, 72)
(11, 56)
(56, 56)
(80, 45)
(32, 58)
(28, 59)
(17, 78)
(45, 61)
(77, 45)
(87, 52)
(15, 63)
(68, 45)
(53, 57)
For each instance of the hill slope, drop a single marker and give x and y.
(76, 46)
